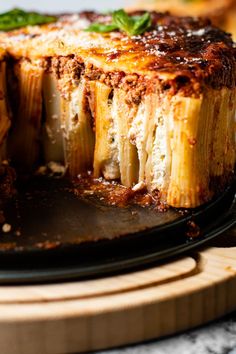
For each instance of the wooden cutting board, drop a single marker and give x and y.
(95, 314)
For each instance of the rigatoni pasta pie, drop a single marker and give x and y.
(155, 109)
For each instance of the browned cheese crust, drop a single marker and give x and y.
(182, 53)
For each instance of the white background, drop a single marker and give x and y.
(57, 6)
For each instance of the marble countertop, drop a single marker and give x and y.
(216, 338)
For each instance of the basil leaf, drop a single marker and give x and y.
(142, 23)
(101, 28)
(123, 21)
(132, 25)
(18, 18)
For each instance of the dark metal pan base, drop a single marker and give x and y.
(56, 236)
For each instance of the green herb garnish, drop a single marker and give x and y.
(101, 28)
(18, 18)
(132, 25)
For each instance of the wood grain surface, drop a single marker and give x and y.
(117, 310)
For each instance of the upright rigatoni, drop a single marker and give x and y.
(77, 129)
(25, 138)
(106, 160)
(53, 141)
(123, 115)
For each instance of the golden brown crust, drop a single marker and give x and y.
(181, 53)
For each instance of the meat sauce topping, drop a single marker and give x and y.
(191, 47)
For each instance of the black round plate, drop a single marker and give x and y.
(56, 236)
